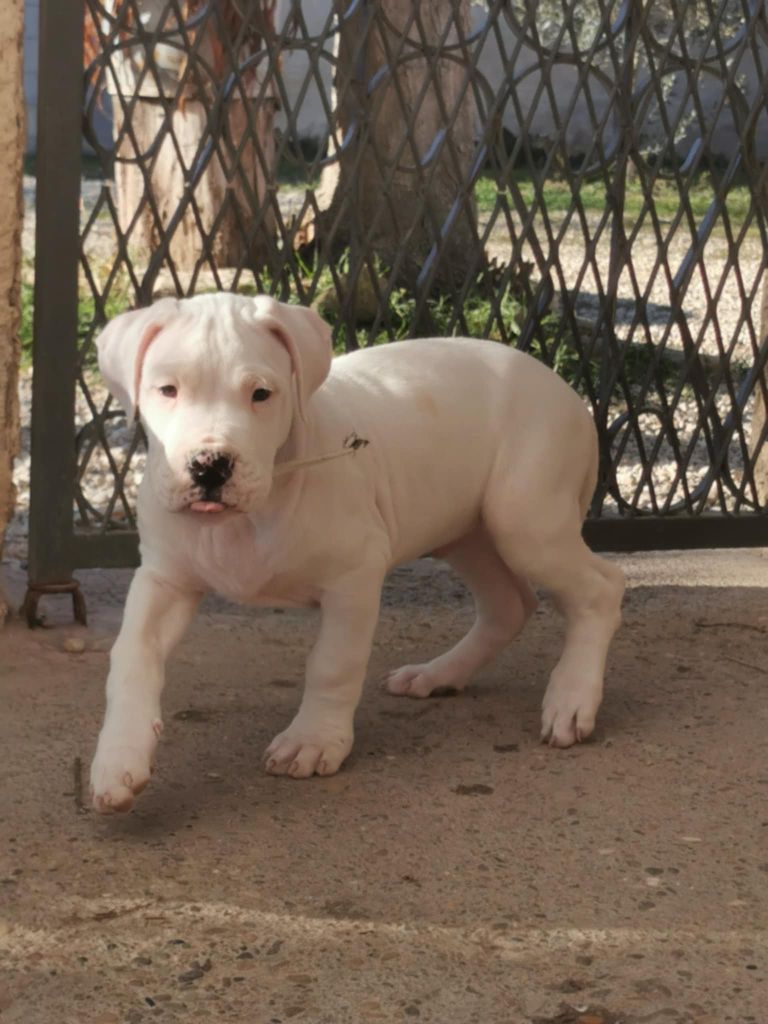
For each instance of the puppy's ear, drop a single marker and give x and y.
(306, 336)
(122, 346)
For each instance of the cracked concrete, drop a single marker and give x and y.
(455, 871)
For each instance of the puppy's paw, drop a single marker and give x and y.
(569, 712)
(423, 681)
(120, 771)
(301, 752)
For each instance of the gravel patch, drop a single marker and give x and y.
(717, 301)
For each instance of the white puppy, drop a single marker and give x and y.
(476, 453)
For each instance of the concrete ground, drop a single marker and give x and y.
(455, 871)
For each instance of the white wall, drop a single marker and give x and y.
(311, 121)
(31, 18)
(31, 43)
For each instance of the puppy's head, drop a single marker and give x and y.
(218, 381)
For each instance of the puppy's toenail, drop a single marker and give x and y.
(128, 780)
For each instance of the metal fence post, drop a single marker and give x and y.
(759, 431)
(57, 258)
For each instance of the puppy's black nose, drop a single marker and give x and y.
(210, 470)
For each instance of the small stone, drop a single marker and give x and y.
(192, 715)
(571, 985)
(103, 643)
(193, 974)
(74, 645)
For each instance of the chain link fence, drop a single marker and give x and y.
(584, 180)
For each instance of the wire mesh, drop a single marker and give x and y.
(584, 180)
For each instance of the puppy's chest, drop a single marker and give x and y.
(253, 573)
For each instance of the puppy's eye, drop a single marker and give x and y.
(260, 395)
(168, 390)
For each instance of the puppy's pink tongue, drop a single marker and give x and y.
(207, 506)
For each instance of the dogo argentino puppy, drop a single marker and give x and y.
(476, 453)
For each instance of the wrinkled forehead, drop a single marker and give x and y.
(214, 342)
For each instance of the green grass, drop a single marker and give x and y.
(117, 302)
(549, 345)
(558, 197)
(499, 322)
(478, 317)
(27, 322)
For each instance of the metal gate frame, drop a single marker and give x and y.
(56, 548)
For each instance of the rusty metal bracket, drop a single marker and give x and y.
(28, 609)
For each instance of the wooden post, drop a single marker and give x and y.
(218, 188)
(12, 124)
(227, 201)
(378, 183)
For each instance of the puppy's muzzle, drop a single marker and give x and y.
(210, 470)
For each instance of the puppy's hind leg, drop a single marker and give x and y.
(587, 590)
(503, 603)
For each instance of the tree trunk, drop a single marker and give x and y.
(221, 222)
(226, 219)
(11, 159)
(397, 187)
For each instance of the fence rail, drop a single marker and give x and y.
(583, 179)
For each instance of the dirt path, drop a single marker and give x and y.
(454, 872)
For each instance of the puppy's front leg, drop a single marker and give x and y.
(320, 736)
(156, 616)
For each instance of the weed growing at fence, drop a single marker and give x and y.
(499, 317)
(89, 314)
